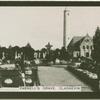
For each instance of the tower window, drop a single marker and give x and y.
(91, 46)
(87, 47)
(83, 47)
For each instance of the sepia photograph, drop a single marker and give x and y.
(50, 49)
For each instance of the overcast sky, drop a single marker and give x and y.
(40, 25)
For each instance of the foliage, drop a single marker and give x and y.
(96, 42)
(64, 55)
(27, 53)
(89, 65)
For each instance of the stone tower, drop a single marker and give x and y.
(66, 28)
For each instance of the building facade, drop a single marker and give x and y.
(81, 46)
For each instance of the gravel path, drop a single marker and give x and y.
(58, 76)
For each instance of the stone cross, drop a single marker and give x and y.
(48, 46)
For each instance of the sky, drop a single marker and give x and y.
(40, 25)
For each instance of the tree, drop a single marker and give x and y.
(9, 53)
(96, 53)
(28, 45)
(56, 54)
(96, 42)
(28, 52)
(64, 55)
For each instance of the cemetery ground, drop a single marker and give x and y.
(58, 75)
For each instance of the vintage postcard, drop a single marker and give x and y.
(49, 49)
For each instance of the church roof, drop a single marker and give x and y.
(75, 42)
(76, 39)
